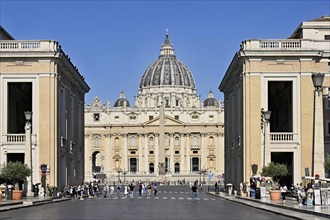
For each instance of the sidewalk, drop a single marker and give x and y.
(7, 205)
(290, 208)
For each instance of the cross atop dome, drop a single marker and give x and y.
(167, 49)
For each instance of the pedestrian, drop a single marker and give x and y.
(118, 191)
(194, 193)
(216, 188)
(241, 189)
(284, 191)
(149, 189)
(125, 191)
(155, 190)
(112, 191)
(131, 191)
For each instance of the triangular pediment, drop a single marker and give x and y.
(169, 121)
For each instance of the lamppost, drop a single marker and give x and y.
(124, 173)
(28, 152)
(317, 145)
(119, 171)
(265, 118)
(200, 172)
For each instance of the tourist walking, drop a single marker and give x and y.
(155, 190)
(284, 191)
(125, 191)
(131, 191)
(194, 193)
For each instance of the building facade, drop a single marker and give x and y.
(276, 76)
(168, 125)
(37, 76)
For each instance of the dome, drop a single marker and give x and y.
(211, 101)
(122, 101)
(167, 71)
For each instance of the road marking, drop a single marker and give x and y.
(164, 197)
(156, 198)
(172, 197)
(180, 198)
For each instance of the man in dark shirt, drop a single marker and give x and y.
(194, 193)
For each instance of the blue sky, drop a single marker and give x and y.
(113, 42)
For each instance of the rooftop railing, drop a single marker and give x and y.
(286, 44)
(28, 45)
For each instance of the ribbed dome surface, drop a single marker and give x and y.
(122, 101)
(210, 101)
(167, 71)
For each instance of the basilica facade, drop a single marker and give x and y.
(168, 132)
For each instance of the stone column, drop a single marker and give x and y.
(27, 157)
(141, 168)
(146, 167)
(318, 135)
(107, 164)
(203, 152)
(188, 153)
(124, 162)
(161, 149)
(156, 154)
(182, 154)
(171, 154)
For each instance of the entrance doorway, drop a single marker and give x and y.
(287, 159)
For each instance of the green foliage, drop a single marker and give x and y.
(327, 163)
(276, 171)
(15, 172)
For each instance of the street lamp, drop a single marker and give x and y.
(265, 117)
(124, 173)
(119, 171)
(28, 118)
(200, 172)
(317, 79)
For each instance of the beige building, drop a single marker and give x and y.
(38, 77)
(276, 75)
(167, 125)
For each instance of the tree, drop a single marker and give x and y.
(327, 164)
(276, 171)
(15, 172)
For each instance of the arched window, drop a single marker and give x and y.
(151, 141)
(133, 144)
(96, 141)
(151, 168)
(116, 142)
(167, 141)
(177, 168)
(176, 141)
(211, 141)
(96, 162)
(195, 140)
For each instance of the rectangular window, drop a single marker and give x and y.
(280, 105)
(327, 128)
(116, 118)
(96, 117)
(132, 117)
(176, 117)
(211, 117)
(177, 152)
(194, 117)
(151, 117)
(151, 152)
(326, 37)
